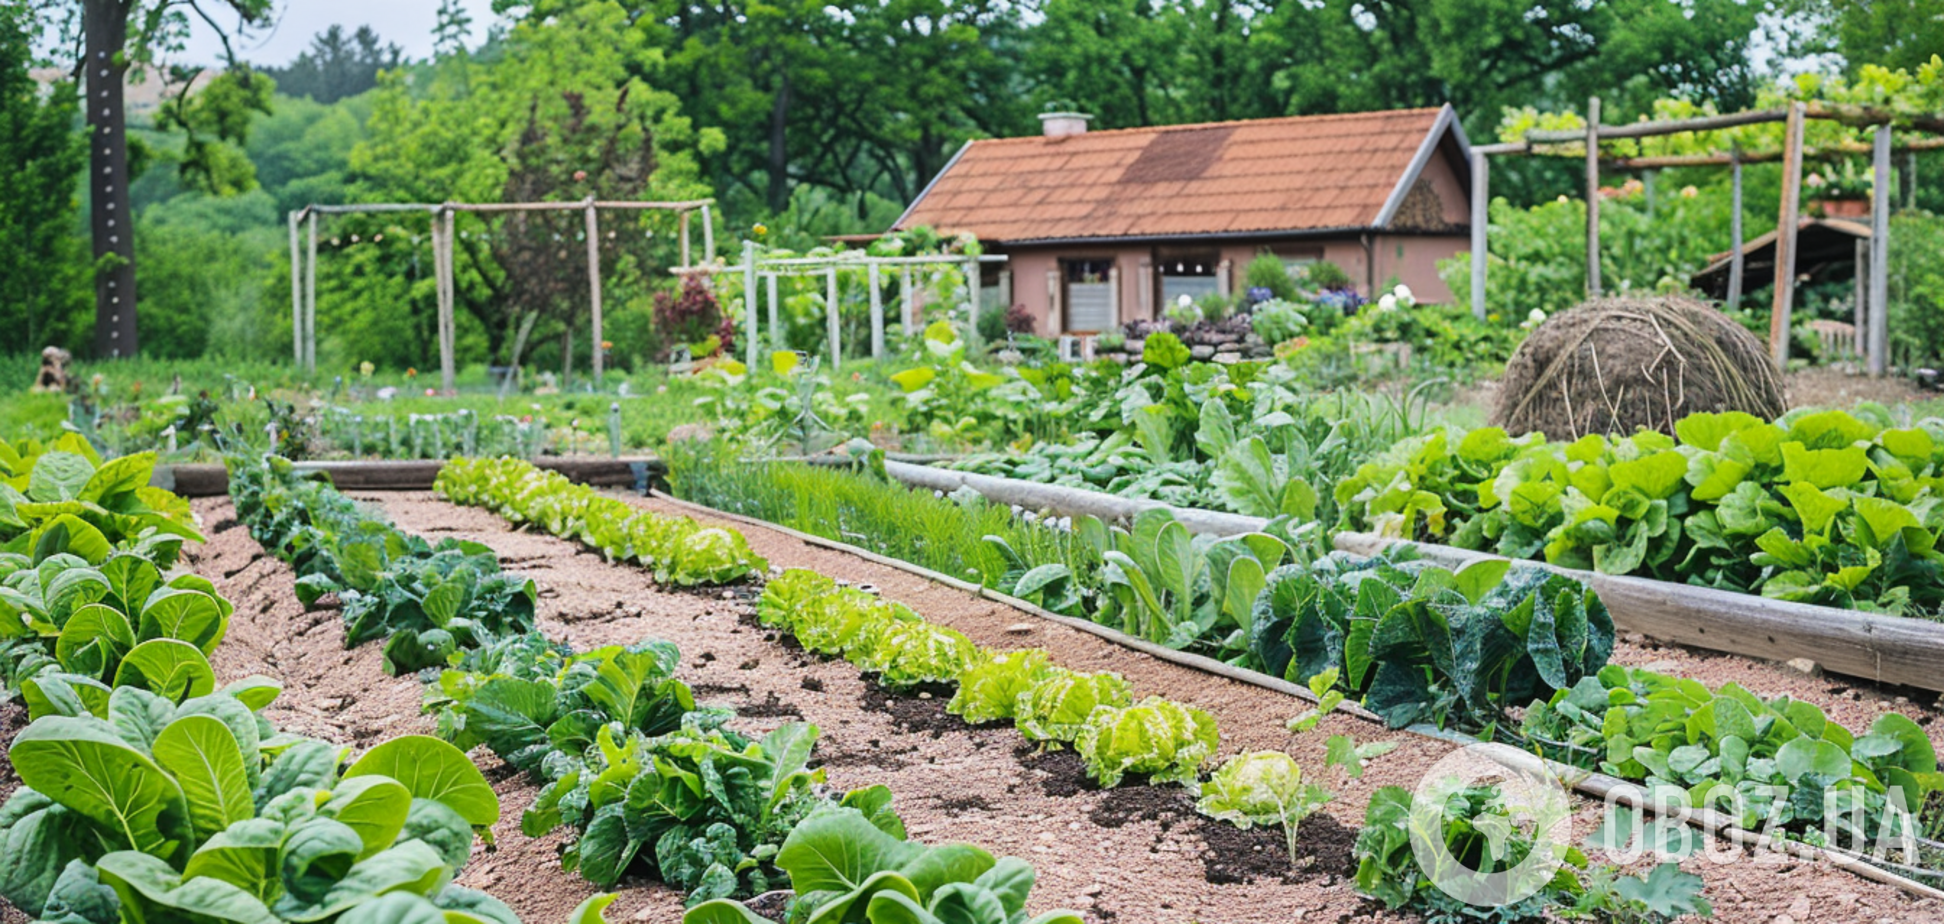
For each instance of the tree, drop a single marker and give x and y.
(337, 66)
(42, 280)
(1892, 33)
(113, 37)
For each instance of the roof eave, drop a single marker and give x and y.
(1273, 234)
(1446, 122)
(899, 224)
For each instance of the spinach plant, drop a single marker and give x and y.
(1420, 643)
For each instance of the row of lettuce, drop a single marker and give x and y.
(634, 799)
(150, 793)
(644, 779)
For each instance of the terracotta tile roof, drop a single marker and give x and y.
(1288, 174)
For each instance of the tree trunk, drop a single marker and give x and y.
(106, 26)
(779, 151)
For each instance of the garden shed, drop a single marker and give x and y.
(1106, 227)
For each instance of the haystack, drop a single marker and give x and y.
(1614, 365)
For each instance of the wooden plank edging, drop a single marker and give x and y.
(210, 480)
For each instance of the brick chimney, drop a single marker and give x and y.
(1062, 124)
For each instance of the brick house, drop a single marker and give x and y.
(1106, 227)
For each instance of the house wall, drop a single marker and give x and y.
(1411, 259)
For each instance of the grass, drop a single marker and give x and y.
(867, 511)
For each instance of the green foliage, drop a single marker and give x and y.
(1162, 740)
(679, 551)
(846, 868)
(1278, 321)
(939, 533)
(990, 689)
(44, 287)
(524, 697)
(1480, 830)
(1266, 271)
(1420, 643)
(1916, 288)
(1776, 762)
(426, 600)
(1819, 507)
(159, 810)
(61, 498)
(1262, 788)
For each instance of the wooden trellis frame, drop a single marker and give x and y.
(303, 263)
(754, 267)
(1875, 336)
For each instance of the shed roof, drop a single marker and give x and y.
(1302, 173)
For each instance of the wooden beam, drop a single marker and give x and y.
(749, 304)
(1481, 193)
(1593, 197)
(708, 234)
(1881, 196)
(310, 302)
(1786, 225)
(775, 313)
(831, 322)
(594, 285)
(1736, 261)
(685, 240)
(296, 293)
(973, 289)
(877, 314)
(1663, 127)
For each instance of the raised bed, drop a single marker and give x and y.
(1886, 649)
(211, 480)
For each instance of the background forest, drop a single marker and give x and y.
(811, 119)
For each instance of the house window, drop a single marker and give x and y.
(1187, 273)
(1089, 295)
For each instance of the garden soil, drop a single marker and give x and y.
(1131, 855)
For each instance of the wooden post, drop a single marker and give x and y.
(685, 239)
(594, 284)
(1005, 289)
(446, 367)
(1735, 260)
(831, 322)
(1880, 197)
(775, 313)
(910, 304)
(1860, 295)
(437, 228)
(1910, 180)
(1481, 196)
(1113, 293)
(310, 301)
(877, 314)
(749, 304)
(1593, 197)
(1785, 237)
(974, 288)
(296, 293)
(708, 236)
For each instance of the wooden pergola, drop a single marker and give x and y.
(1875, 337)
(754, 265)
(303, 264)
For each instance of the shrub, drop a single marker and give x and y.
(1267, 271)
(1277, 321)
(1917, 288)
(1326, 275)
(689, 315)
(992, 326)
(1019, 320)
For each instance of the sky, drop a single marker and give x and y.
(405, 23)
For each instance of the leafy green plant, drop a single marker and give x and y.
(1823, 507)
(1419, 643)
(525, 698)
(1161, 739)
(703, 807)
(61, 498)
(990, 689)
(847, 869)
(1778, 762)
(677, 549)
(1278, 321)
(426, 600)
(1262, 788)
(202, 809)
(1056, 709)
(117, 624)
(1267, 271)
(1482, 835)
